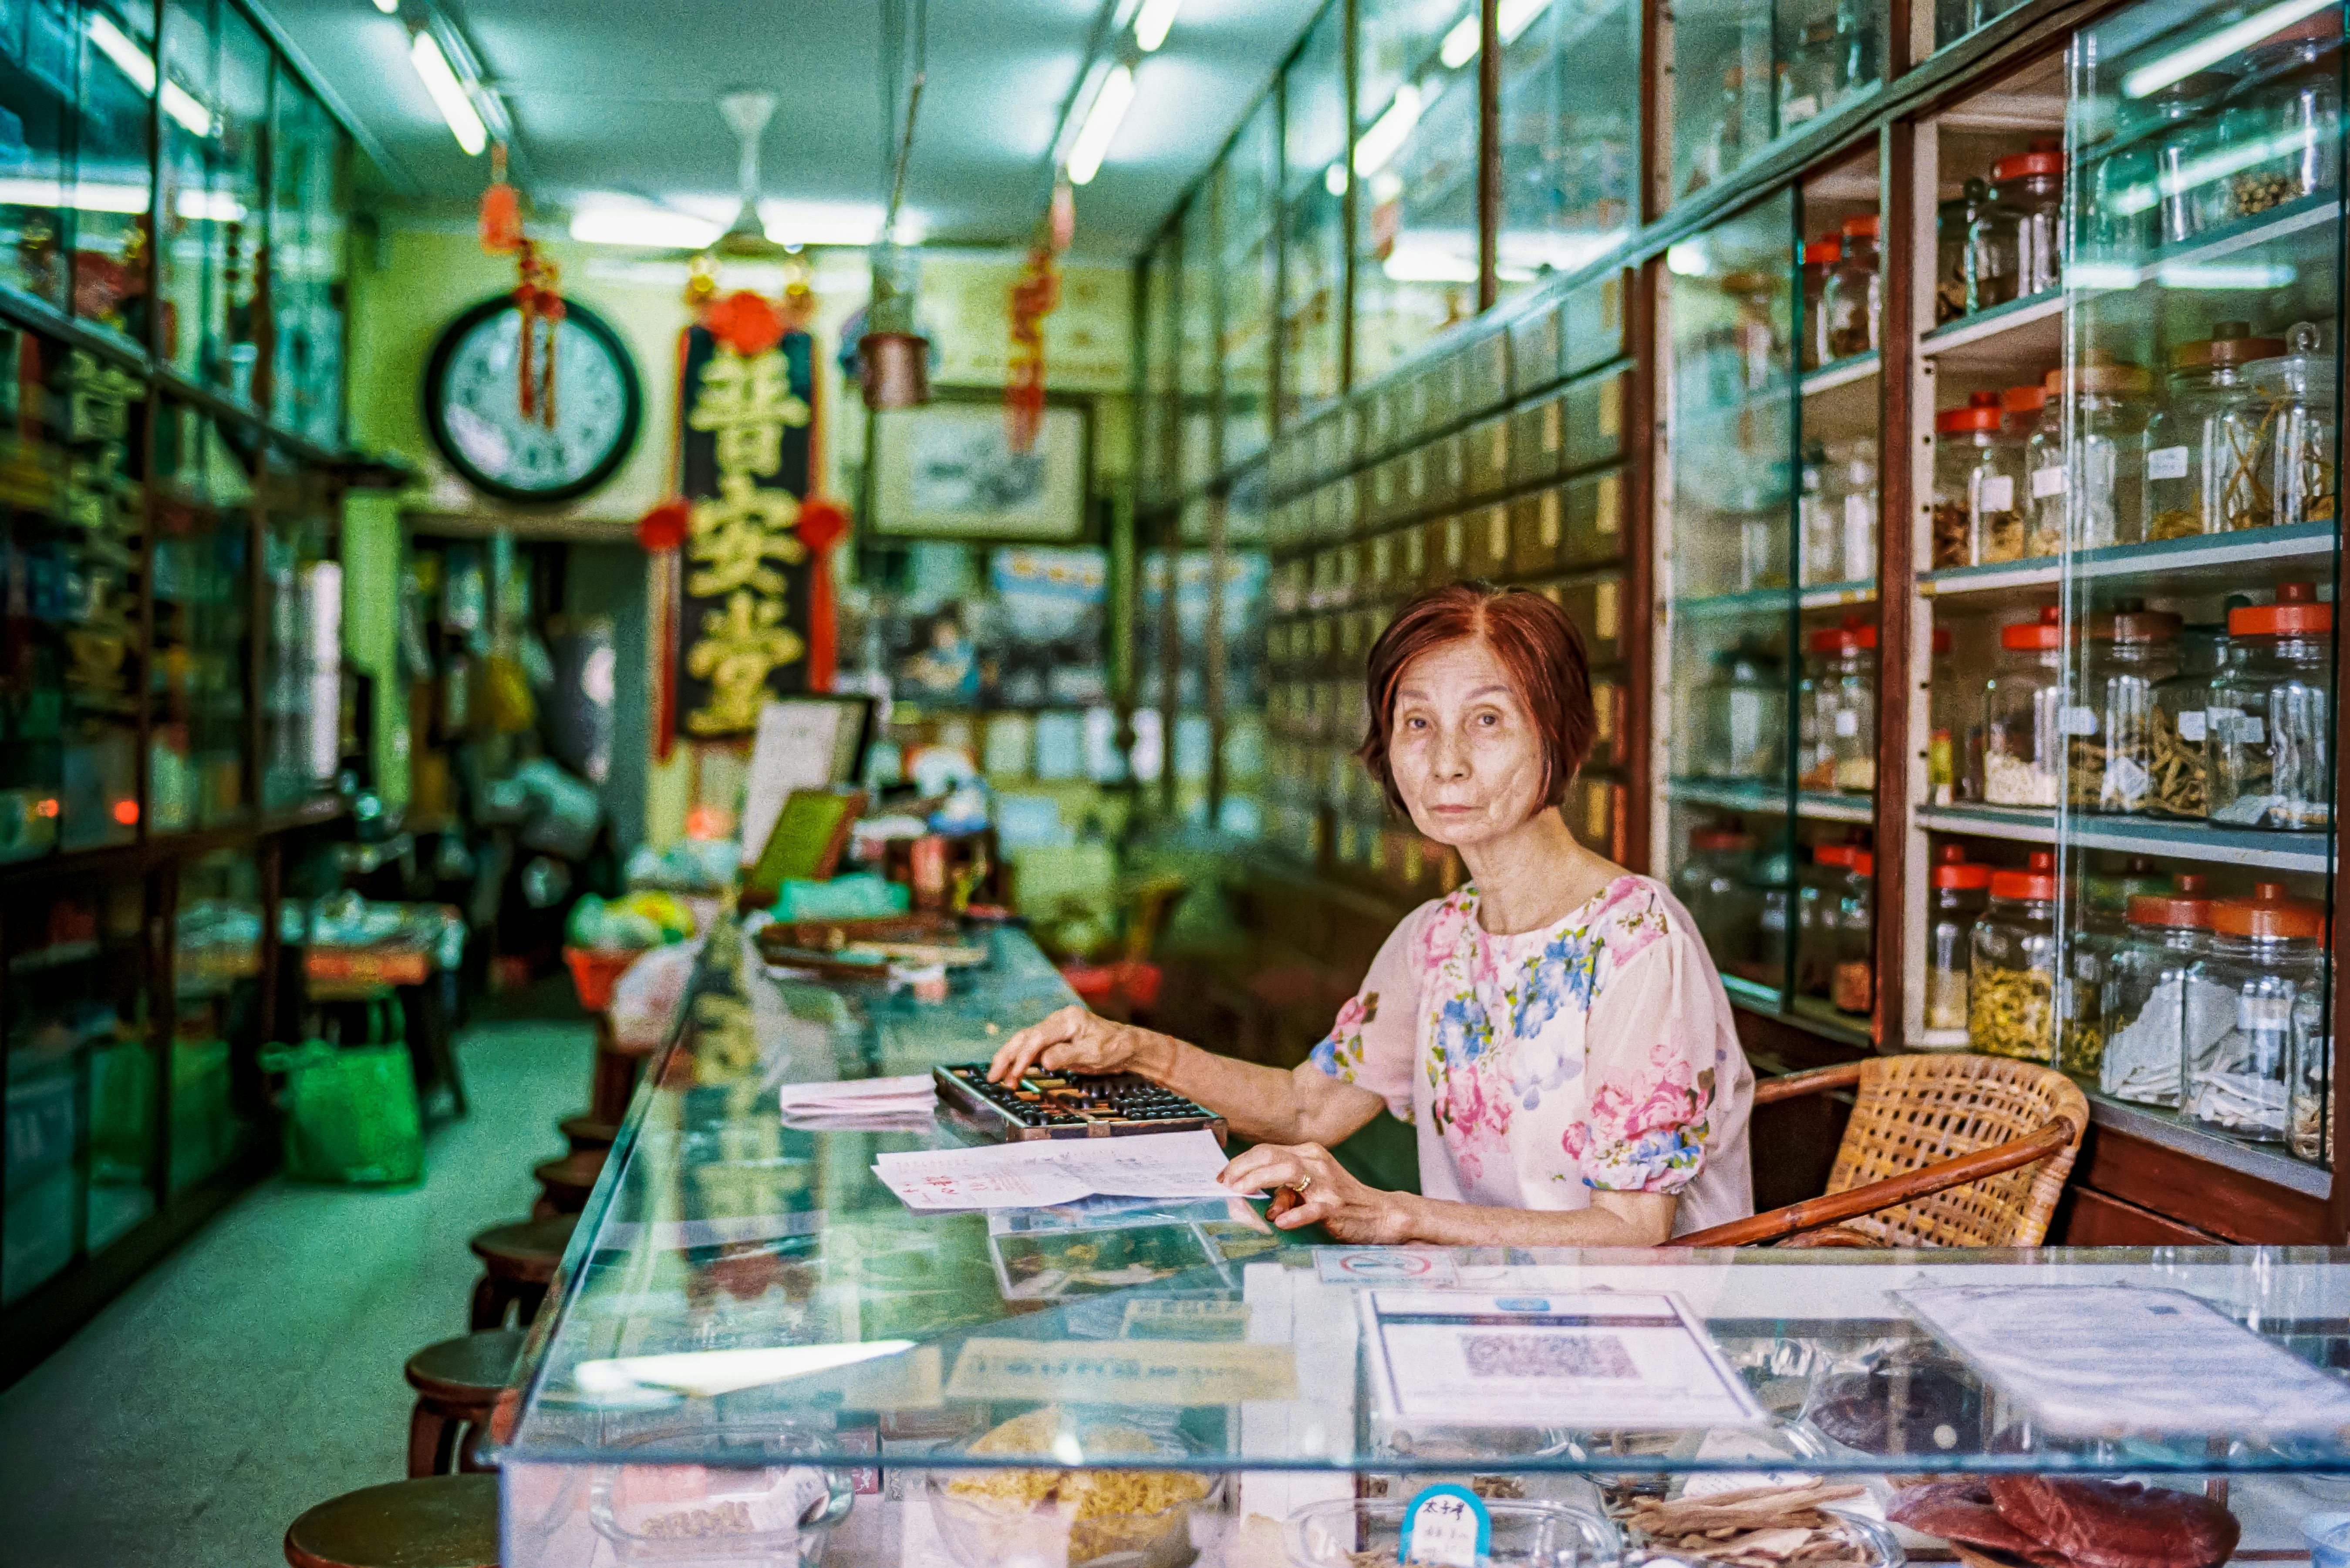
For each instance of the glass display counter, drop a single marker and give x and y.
(754, 1353)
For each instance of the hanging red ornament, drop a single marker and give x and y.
(746, 322)
(1033, 294)
(501, 208)
(664, 527)
(541, 307)
(821, 523)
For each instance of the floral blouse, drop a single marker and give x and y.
(1596, 1053)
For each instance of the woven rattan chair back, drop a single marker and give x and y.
(1916, 1111)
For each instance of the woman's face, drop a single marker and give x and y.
(1464, 755)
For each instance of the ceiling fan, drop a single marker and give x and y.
(745, 239)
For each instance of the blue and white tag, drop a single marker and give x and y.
(1447, 1526)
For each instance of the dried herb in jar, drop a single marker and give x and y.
(1949, 535)
(2011, 1012)
(2181, 776)
(2173, 522)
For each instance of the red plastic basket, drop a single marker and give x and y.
(595, 971)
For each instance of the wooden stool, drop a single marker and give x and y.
(456, 1382)
(617, 1066)
(585, 1132)
(518, 1262)
(564, 1184)
(441, 1522)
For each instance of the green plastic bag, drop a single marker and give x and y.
(351, 1115)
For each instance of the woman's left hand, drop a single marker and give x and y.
(1325, 1193)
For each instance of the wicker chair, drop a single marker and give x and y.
(1941, 1151)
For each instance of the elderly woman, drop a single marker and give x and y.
(1554, 1029)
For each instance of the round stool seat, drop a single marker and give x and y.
(442, 1521)
(564, 1183)
(528, 1251)
(585, 1132)
(468, 1371)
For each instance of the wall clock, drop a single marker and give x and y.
(474, 410)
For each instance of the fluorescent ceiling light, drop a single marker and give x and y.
(448, 92)
(1513, 17)
(2225, 274)
(1102, 120)
(1386, 137)
(797, 223)
(1151, 27)
(83, 198)
(1431, 258)
(1686, 260)
(1334, 178)
(645, 227)
(1087, 91)
(2183, 63)
(209, 206)
(709, 1373)
(136, 63)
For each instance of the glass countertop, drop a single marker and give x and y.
(735, 1278)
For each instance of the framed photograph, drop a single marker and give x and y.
(945, 470)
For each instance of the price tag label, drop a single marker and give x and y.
(2047, 481)
(1998, 492)
(1446, 1525)
(2166, 462)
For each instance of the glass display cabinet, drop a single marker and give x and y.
(1313, 219)
(1415, 160)
(1249, 251)
(1569, 163)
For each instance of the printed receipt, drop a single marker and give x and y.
(1038, 1173)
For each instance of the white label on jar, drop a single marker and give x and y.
(2170, 462)
(2077, 719)
(2127, 781)
(1859, 545)
(2048, 482)
(1998, 492)
(2191, 725)
(2251, 732)
(2245, 810)
(2264, 1011)
(1847, 724)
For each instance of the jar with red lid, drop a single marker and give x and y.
(1819, 259)
(1961, 890)
(2268, 957)
(2104, 465)
(2205, 468)
(1852, 982)
(2280, 134)
(1855, 291)
(2011, 971)
(2268, 732)
(1839, 698)
(2024, 703)
(1974, 505)
(1819, 893)
(2156, 1006)
(2015, 246)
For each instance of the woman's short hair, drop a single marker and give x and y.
(1534, 642)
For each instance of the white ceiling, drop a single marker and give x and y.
(620, 95)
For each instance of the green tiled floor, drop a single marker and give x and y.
(256, 1370)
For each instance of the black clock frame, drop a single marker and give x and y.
(444, 348)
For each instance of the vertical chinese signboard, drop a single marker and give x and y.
(744, 453)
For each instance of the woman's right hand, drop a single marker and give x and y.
(1074, 1040)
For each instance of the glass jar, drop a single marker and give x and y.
(2154, 1001)
(1819, 892)
(2181, 770)
(2204, 470)
(2267, 727)
(2309, 1121)
(1960, 889)
(1817, 524)
(1949, 719)
(1975, 516)
(2184, 134)
(1819, 261)
(2292, 112)
(1953, 220)
(1743, 716)
(2045, 476)
(2015, 243)
(2297, 389)
(1840, 687)
(1852, 984)
(1757, 336)
(1852, 499)
(1854, 292)
(1713, 886)
(2268, 958)
(2022, 708)
(2109, 733)
(1769, 879)
(2108, 459)
(2012, 973)
(1812, 77)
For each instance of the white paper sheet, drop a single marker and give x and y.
(794, 748)
(1037, 1173)
(2117, 1361)
(862, 1096)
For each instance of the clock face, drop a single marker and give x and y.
(473, 404)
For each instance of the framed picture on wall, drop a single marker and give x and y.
(946, 470)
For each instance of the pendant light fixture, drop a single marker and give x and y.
(893, 357)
